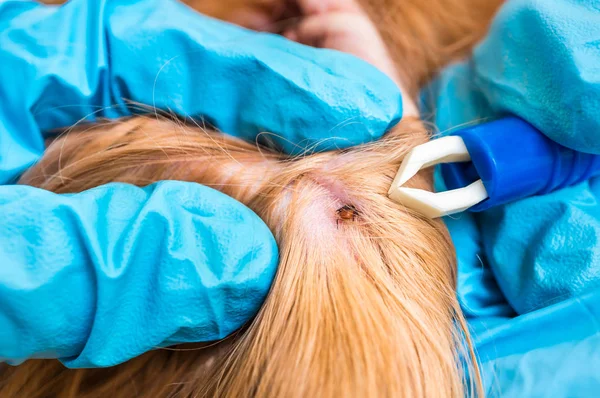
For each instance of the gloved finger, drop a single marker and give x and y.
(237, 80)
(102, 276)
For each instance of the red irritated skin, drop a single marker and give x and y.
(340, 25)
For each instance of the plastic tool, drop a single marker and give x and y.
(490, 165)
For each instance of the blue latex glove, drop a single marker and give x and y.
(540, 62)
(99, 277)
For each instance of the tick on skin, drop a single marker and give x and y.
(346, 213)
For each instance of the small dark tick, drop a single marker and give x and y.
(346, 213)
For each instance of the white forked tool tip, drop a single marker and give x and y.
(443, 150)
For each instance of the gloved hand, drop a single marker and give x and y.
(540, 62)
(99, 277)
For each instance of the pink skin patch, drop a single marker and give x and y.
(319, 218)
(335, 188)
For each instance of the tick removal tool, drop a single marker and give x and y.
(489, 165)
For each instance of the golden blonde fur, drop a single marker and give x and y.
(360, 306)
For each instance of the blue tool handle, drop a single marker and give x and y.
(515, 161)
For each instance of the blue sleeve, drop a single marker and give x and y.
(86, 59)
(100, 277)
